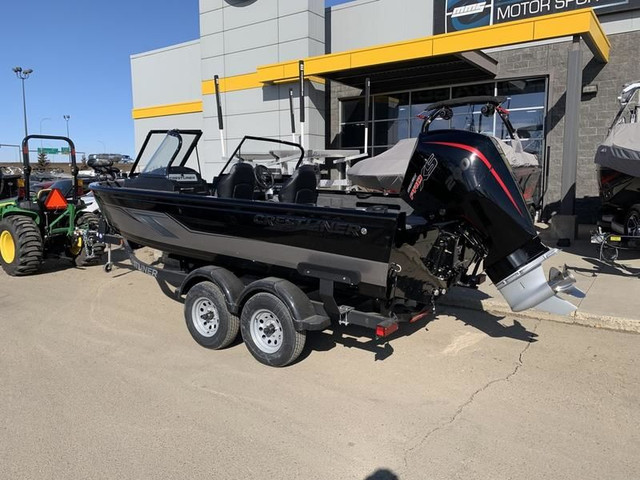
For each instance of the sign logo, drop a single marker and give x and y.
(417, 182)
(468, 9)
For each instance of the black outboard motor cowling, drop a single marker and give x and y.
(464, 176)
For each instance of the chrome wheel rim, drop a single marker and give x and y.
(266, 331)
(205, 317)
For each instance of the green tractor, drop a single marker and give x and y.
(34, 226)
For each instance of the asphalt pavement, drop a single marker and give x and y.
(99, 379)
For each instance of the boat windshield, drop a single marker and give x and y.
(278, 156)
(161, 158)
(165, 148)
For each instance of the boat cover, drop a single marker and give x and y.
(516, 156)
(620, 151)
(385, 171)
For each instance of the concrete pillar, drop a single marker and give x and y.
(564, 224)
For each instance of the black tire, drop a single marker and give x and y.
(268, 331)
(23, 251)
(206, 299)
(88, 221)
(632, 223)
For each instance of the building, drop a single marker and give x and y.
(560, 64)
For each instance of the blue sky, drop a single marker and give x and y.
(79, 51)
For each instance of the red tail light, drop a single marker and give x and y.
(386, 330)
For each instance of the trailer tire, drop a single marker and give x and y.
(21, 246)
(208, 320)
(268, 330)
(632, 223)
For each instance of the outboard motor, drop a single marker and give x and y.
(464, 176)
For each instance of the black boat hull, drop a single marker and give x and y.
(204, 228)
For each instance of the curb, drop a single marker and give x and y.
(493, 306)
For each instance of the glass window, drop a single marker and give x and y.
(391, 106)
(523, 93)
(352, 110)
(352, 135)
(529, 125)
(390, 132)
(472, 90)
(422, 99)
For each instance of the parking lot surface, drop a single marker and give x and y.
(99, 378)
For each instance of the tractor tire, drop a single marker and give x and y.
(21, 246)
(89, 221)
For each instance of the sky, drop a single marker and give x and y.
(79, 51)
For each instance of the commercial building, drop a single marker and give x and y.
(560, 63)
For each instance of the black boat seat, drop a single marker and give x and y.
(238, 183)
(302, 187)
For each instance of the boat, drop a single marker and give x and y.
(618, 161)
(364, 257)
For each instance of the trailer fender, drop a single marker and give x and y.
(297, 302)
(227, 282)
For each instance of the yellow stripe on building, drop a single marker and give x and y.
(170, 109)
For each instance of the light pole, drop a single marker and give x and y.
(66, 119)
(104, 148)
(23, 75)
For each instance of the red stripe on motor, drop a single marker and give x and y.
(479, 154)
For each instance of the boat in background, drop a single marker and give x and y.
(618, 160)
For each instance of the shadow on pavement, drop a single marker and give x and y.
(490, 324)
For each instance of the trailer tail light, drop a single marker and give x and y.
(385, 329)
(55, 200)
(420, 316)
(80, 189)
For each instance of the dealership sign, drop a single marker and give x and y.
(456, 15)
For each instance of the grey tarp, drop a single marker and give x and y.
(621, 149)
(515, 154)
(385, 171)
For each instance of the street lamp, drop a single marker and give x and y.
(23, 75)
(66, 119)
(104, 148)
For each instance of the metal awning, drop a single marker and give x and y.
(470, 66)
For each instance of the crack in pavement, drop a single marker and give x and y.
(469, 401)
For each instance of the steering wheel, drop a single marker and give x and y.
(264, 177)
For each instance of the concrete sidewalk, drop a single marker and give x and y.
(612, 289)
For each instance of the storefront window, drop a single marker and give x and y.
(394, 116)
(391, 106)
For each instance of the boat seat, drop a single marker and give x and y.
(238, 183)
(302, 187)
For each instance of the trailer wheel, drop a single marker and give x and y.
(208, 320)
(21, 248)
(632, 223)
(268, 330)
